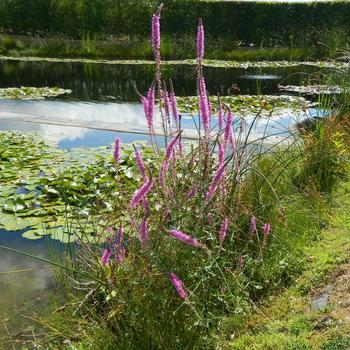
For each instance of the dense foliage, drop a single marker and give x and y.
(246, 22)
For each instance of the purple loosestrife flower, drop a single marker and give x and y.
(156, 34)
(150, 108)
(119, 236)
(218, 176)
(204, 106)
(144, 231)
(200, 41)
(252, 228)
(178, 285)
(266, 229)
(166, 105)
(140, 165)
(169, 152)
(192, 192)
(221, 153)
(223, 230)
(181, 147)
(180, 236)
(106, 256)
(174, 108)
(116, 153)
(141, 193)
(228, 133)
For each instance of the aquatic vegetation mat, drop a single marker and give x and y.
(333, 64)
(312, 89)
(32, 93)
(248, 104)
(41, 187)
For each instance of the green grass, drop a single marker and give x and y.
(287, 322)
(171, 49)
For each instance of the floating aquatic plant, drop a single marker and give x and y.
(32, 93)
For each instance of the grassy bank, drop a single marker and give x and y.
(291, 320)
(126, 47)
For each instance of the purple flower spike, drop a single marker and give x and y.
(204, 105)
(266, 229)
(200, 41)
(192, 192)
(252, 228)
(221, 153)
(119, 236)
(166, 105)
(169, 152)
(174, 108)
(218, 176)
(140, 165)
(180, 236)
(178, 285)
(106, 256)
(116, 153)
(144, 102)
(141, 193)
(223, 230)
(144, 231)
(150, 108)
(156, 34)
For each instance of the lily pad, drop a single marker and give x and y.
(32, 93)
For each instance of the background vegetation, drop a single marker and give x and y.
(267, 23)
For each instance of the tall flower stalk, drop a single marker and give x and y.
(178, 285)
(156, 43)
(200, 40)
(223, 230)
(141, 193)
(116, 153)
(184, 238)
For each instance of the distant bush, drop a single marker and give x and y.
(271, 23)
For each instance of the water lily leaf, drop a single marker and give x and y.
(15, 224)
(15, 205)
(31, 234)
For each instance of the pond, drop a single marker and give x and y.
(103, 104)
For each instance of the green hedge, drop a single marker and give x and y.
(249, 22)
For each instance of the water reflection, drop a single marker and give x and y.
(98, 82)
(24, 283)
(68, 137)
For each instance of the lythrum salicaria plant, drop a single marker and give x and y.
(189, 249)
